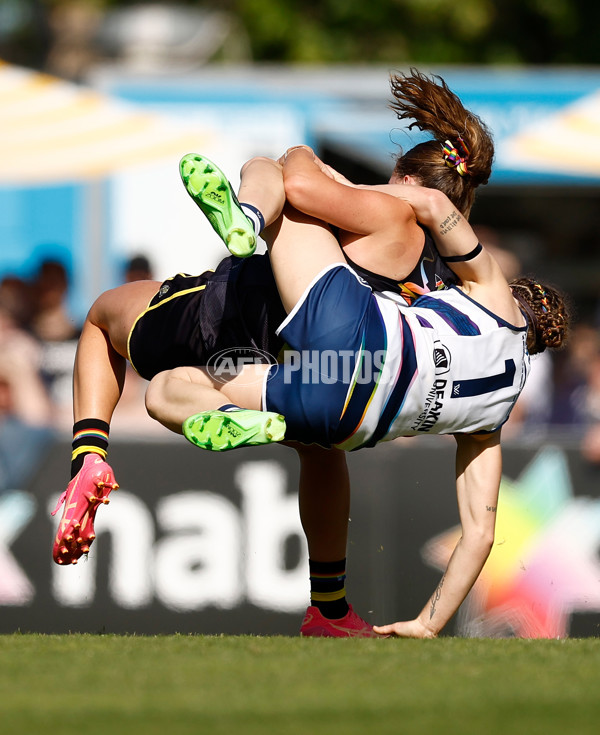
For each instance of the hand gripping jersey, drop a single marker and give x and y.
(466, 368)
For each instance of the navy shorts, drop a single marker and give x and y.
(334, 330)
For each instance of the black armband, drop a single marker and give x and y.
(462, 258)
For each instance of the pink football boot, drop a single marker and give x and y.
(351, 625)
(89, 488)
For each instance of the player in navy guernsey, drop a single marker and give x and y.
(455, 361)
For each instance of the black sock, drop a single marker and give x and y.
(327, 587)
(90, 436)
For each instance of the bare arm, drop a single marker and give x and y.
(325, 168)
(480, 276)
(316, 190)
(312, 188)
(452, 233)
(261, 184)
(390, 232)
(478, 474)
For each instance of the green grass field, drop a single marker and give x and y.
(195, 684)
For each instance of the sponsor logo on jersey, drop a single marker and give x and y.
(441, 358)
(434, 403)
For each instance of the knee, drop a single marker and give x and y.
(154, 391)
(105, 307)
(157, 392)
(97, 312)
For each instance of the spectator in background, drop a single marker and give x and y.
(25, 411)
(138, 268)
(51, 321)
(16, 296)
(578, 390)
(533, 410)
(58, 335)
(573, 375)
(590, 446)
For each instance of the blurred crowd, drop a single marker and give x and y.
(38, 342)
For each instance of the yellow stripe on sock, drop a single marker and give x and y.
(89, 450)
(328, 596)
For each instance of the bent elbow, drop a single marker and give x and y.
(480, 538)
(297, 187)
(436, 204)
(486, 542)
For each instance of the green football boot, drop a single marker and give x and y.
(220, 431)
(210, 189)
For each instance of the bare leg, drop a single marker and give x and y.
(98, 379)
(269, 195)
(175, 395)
(324, 501)
(300, 247)
(99, 370)
(192, 402)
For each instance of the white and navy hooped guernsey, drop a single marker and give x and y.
(369, 368)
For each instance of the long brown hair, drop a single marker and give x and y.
(434, 108)
(547, 313)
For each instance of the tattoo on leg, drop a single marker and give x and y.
(436, 596)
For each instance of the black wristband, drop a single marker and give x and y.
(462, 258)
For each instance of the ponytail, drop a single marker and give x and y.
(459, 157)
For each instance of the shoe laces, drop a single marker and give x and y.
(61, 500)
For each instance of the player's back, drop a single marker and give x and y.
(477, 365)
(468, 367)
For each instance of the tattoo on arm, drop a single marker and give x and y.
(436, 596)
(491, 508)
(450, 222)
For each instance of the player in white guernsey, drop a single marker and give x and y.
(366, 368)
(467, 370)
